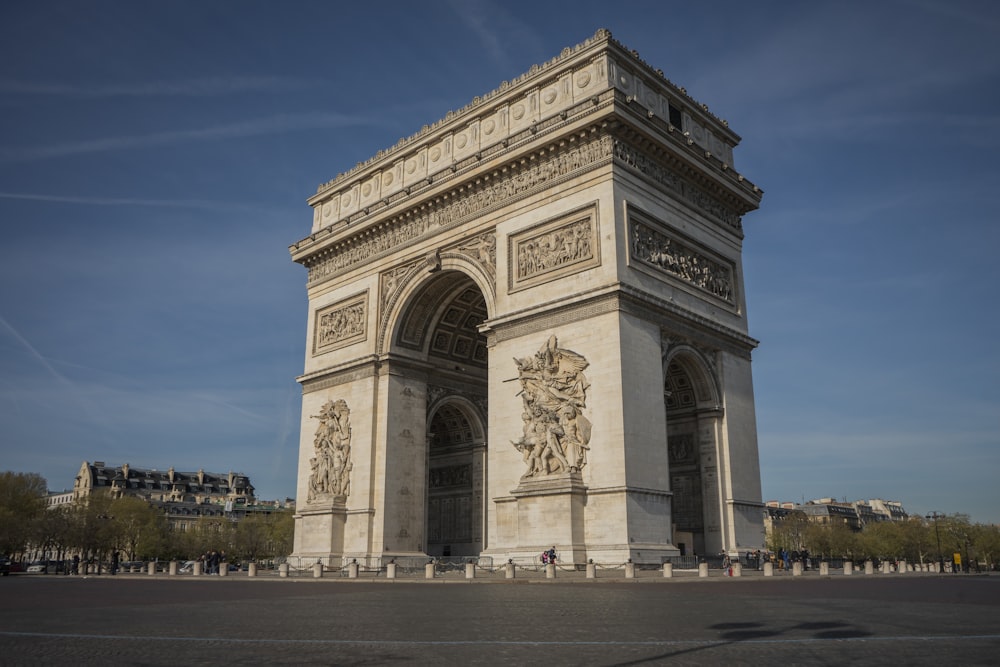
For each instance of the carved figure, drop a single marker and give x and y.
(331, 466)
(555, 434)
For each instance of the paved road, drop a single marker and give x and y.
(919, 620)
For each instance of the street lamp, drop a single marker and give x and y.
(937, 533)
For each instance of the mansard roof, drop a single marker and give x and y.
(128, 477)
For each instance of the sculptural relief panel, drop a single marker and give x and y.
(555, 433)
(653, 246)
(330, 466)
(560, 247)
(343, 323)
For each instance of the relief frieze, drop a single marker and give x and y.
(341, 324)
(667, 254)
(557, 248)
(631, 156)
(330, 467)
(462, 204)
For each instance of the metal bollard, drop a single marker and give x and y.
(390, 571)
(550, 571)
(630, 570)
(591, 570)
(252, 570)
(668, 570)
(318, 570)
(283, 570)
(702, 569)
(509, 570)
(429, 570)
(470, 570)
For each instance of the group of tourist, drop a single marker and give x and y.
(210, 561)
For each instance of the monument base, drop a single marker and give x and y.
(319, 534)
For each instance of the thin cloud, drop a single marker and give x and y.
(208, 87)
(201, 204)
(261, 126)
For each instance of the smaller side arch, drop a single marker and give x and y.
(700, 372)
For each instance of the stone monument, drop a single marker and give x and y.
(527, 327)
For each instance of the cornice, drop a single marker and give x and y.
(548, 96)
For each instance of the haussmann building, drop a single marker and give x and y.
(527, 328)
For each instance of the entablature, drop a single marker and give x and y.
(557, 92)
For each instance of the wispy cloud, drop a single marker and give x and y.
(477, 16)
(208, 87)
(202, 204)
(256, 127)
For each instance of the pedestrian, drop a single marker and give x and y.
(552, 555)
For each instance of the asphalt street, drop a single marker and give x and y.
(135, 620)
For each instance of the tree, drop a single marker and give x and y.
(22, 501)
(139, 529)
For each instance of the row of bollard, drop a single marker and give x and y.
(735, 570)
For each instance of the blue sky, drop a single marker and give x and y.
(155, 159)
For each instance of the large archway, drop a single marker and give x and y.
(439, 326)
(692, 410)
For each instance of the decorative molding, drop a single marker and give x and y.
(553, 249)
(486, 194)
(330, 476)
(341, 324)
(665, 252)
(671, 181)
(334, 378)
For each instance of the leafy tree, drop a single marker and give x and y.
(22, 501)
(138, 528)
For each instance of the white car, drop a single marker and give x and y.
(187, 567)
(37, 568)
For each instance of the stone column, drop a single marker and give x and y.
(702, 569)
(252, 570)
(769, 569)
(318, 570)
(668, 570)
(737, 569)
(173, 568)
(550, 571)
(509, 570)
(390, 571)
(797, 568)
(630, 570)
(429, 570)
(352, 569)
(886, 567)
(848, 567)
(283, 570)
(824, 569)
(902, 567)
(196, 568)
(223, 569)
(470, 570)
(591, 570)
(869, 567)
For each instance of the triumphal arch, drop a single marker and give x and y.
(527, 327)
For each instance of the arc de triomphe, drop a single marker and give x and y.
(527, 327)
